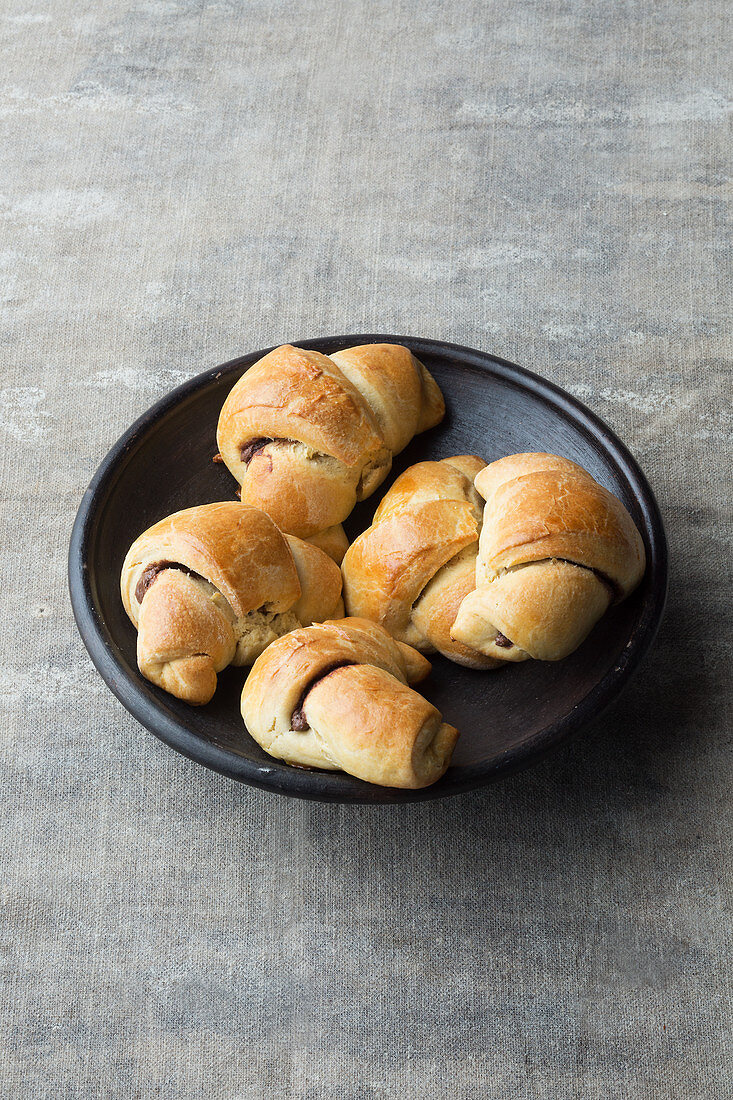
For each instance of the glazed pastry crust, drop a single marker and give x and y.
(414, 566)
(332, 541)
(361, 717)
(176, 611)
(292, 393)
(237, 549)
(556, 549)
(558, 511)
(226, 583)
(403, 396)
(325, 428)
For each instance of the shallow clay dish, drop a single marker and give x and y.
(507, 718)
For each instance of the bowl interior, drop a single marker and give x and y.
(506, 718)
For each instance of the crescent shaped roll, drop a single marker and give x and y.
(308, 435)
(337, 696)
(556, 550)
(411, 570)
(332, 541)
(213, 586)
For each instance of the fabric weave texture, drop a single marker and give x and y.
(183, 181)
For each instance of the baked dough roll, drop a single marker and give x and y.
(332, 541)
(213, 586)
(411, 570)
(336, 696)
(556, 550)
(308, 435)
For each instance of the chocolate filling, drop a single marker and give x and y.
(502, 641)
(249, 450)
(152, 572)
(613, 588)
(298, 720)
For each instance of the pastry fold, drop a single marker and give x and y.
(411, 570)
(213, 586)
(308, 435)
(336, 696)
(556, 550)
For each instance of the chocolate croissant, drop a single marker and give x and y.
(336, 696)
(556, 550)
(213, 586)
(411, 570)
(308, 435)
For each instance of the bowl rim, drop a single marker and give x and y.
(336, 786)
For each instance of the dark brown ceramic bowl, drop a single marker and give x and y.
(507, 718)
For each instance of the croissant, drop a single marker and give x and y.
(336, 696)
(556, 550)
(413, 567)
(213, 586)
(332, 541)
(308, 435)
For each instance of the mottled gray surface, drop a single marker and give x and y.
(182, 181)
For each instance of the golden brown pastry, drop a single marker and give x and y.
(556, 550)
(411, 570)
(213, 586)
(332, 541)
(336, 696)
(308, 435)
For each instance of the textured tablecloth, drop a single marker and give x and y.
(183, 181)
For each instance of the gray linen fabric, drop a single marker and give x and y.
(182, 181)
